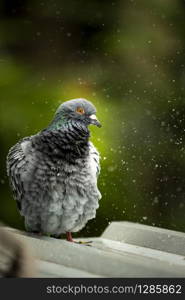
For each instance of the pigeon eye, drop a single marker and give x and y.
(80, 110)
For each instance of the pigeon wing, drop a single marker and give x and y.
(95, 158)
(17, 167)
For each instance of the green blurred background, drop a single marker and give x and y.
(128, 58)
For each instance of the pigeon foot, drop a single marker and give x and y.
(69, 237)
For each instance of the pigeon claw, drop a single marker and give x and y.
(69, 237)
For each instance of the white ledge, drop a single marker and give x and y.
(124, 250)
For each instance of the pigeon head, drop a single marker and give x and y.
(78, 110)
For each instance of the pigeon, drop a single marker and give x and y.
(53, 174)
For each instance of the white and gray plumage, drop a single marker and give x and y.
(53, 174)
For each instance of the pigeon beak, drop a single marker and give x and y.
(94, 121)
